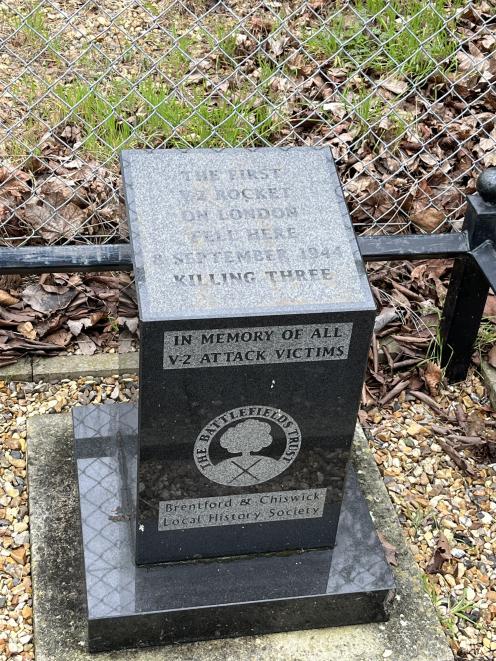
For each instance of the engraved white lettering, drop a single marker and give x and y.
(241, 509)
(252, 346)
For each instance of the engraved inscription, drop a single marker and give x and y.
(241, 509)
(256, 346)
(241, 229)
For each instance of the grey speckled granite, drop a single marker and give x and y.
(240, 231)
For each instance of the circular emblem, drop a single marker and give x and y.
(247, 445)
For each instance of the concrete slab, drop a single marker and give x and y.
(489, 376)
(129, 362)
(54, 368)
(22, 370)
(74, 366)
(63, 367)
(412, 634)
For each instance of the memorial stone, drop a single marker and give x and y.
(255, 323)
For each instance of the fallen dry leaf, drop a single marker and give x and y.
(432, 377)
(96, 316)
(456, 457)
(49, 326)
(13, 189)
(390, 551)
(475, 424)
(86, 345)
(42, 301)
(13, 317)
(429, 219)
(394, 85)
(442, 552)
(61, 338)
(52, 223)
(490, 306)
(399, 298)
(75, 326)
(385, 317)
(26, 329)
(125, 342)
(7, 299)
(261, 24)
(132, 324)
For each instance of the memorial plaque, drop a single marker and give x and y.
(224, 502)
(256, 318)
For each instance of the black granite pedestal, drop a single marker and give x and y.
(131, 606)
(256, 318)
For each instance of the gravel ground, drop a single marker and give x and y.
(446, 505)
(18, 401)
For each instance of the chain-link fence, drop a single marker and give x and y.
(402, 91)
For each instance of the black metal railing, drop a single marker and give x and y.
(474, 270)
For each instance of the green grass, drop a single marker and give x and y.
(27, 88)
(416, 37)
(437, 348)
(222, 42)
(267, 70)
(372, 38)
(151, 7)
(112, 115)
(162, 112)
(33, 25)
(455, 610)
(102, 117)
(366, 107)
(342, 41)
(409, 37)
(34, 33)
(430, 590)
(178, 57)
(118, 116)
(448, 609)
(232, 123)
(217, 126)
(419, 516)
(486, 337)
(25, 141)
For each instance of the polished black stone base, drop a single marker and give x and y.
(130, 606)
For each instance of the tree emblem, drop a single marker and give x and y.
(243, 443)
(247, 437)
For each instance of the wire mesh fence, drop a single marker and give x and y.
(401, 91)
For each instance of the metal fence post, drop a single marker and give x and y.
(468, 288)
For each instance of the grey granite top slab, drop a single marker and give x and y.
(240, 232)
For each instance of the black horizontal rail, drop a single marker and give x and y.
(408, 246)
(117, 256)
(474, 270)
(66, 259)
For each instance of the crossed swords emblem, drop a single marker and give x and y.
(245, 470)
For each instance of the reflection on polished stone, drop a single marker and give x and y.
(313, 588)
